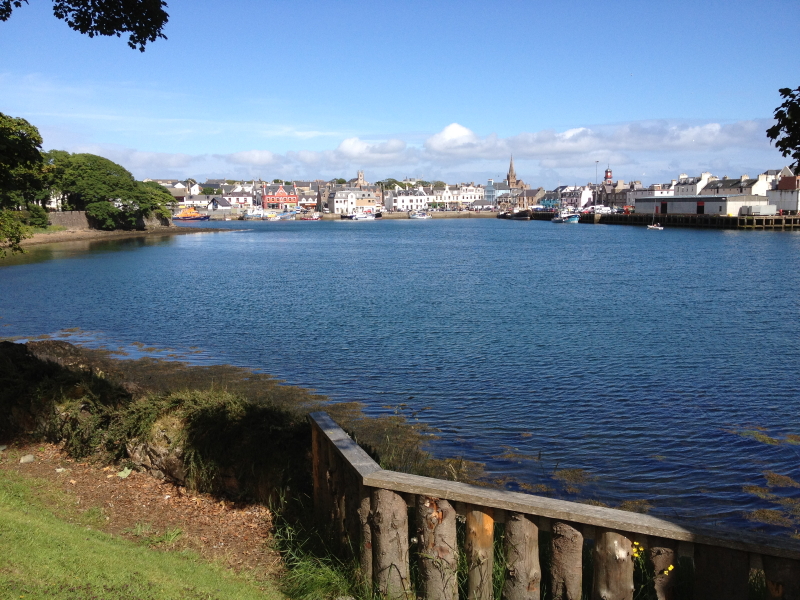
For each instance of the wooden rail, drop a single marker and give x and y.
(368, 508)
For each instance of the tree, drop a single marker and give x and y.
(786, 131)
(20, 161)
(108, 192)
(143, 20)
(209, 191)
(12, 232)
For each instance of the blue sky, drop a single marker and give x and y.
(441, 90)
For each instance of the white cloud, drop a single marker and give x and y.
(660, 148)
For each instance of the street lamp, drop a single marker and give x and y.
(595, 182)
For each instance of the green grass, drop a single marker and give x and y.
(45, 556)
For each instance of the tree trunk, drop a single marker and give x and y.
(720, 573)
(566, 572)
(613, 566)
(783, 577)
(438, 552)
(523, 574)
(390, 545)
(479, 548)
(662, 555)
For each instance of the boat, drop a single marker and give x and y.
(190, 214)
(418, 214)
(363, 217)
(515, 215)
(254, 214)
(655, 226)
(310, 217)
(566, 216)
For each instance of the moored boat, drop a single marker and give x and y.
(190, 214)
(418, 214)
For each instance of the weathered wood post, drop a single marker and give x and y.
(479, 548)
(720, 573)
(390, 569)
(566, 568)
(336, 487)
(523, 574)
(438, 552)
(782, 576)
(613, 566)
(663, 557)
(365, 526)
(319, 467)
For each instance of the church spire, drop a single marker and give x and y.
(512, 174)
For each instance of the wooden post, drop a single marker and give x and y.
(523, 574)
(663, 554)
(365, 539)
(782, 576)
(336, 486)
(319, 467)
(479, 547)
(438, 552)
(613, 566)
(720, 573)
(390, 545)
(566, 574)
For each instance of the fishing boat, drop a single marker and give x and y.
(566, 216)
(418, 214)
(190, 214)
(363, 217)
(310, 217)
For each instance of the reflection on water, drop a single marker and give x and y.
(650, 361)
(45, 252)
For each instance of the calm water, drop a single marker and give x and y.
(633, 354)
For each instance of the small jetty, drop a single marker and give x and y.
(772, 222)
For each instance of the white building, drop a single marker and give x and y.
(786, 196)
(576, 196)
(404, 200)
(241, 200)
(350, 201)
(757, 186)
(691, 186)
(657, 190)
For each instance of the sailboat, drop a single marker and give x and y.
(654, 225)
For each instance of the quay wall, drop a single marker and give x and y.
(771, 222)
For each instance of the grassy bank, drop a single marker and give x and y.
(47, 556)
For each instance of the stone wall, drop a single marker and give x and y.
(71, 219)
(76, 219)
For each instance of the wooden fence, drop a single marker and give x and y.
(367, 508)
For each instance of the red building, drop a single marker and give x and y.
(278, 197)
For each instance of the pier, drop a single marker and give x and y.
(773, 222)
(388, 519)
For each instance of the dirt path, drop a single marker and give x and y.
(142, 508)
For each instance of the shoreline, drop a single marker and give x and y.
(80, 235)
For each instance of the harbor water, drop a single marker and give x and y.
(610, 364)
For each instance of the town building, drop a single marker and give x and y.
(657, 190)
(277, 196)
(786, 196)
(400, 200)
(757, 186)
(351, 201)
(691, 186)
(240, 200)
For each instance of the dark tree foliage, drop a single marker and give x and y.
(20, 160)
(143, 20)
(786, 131)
